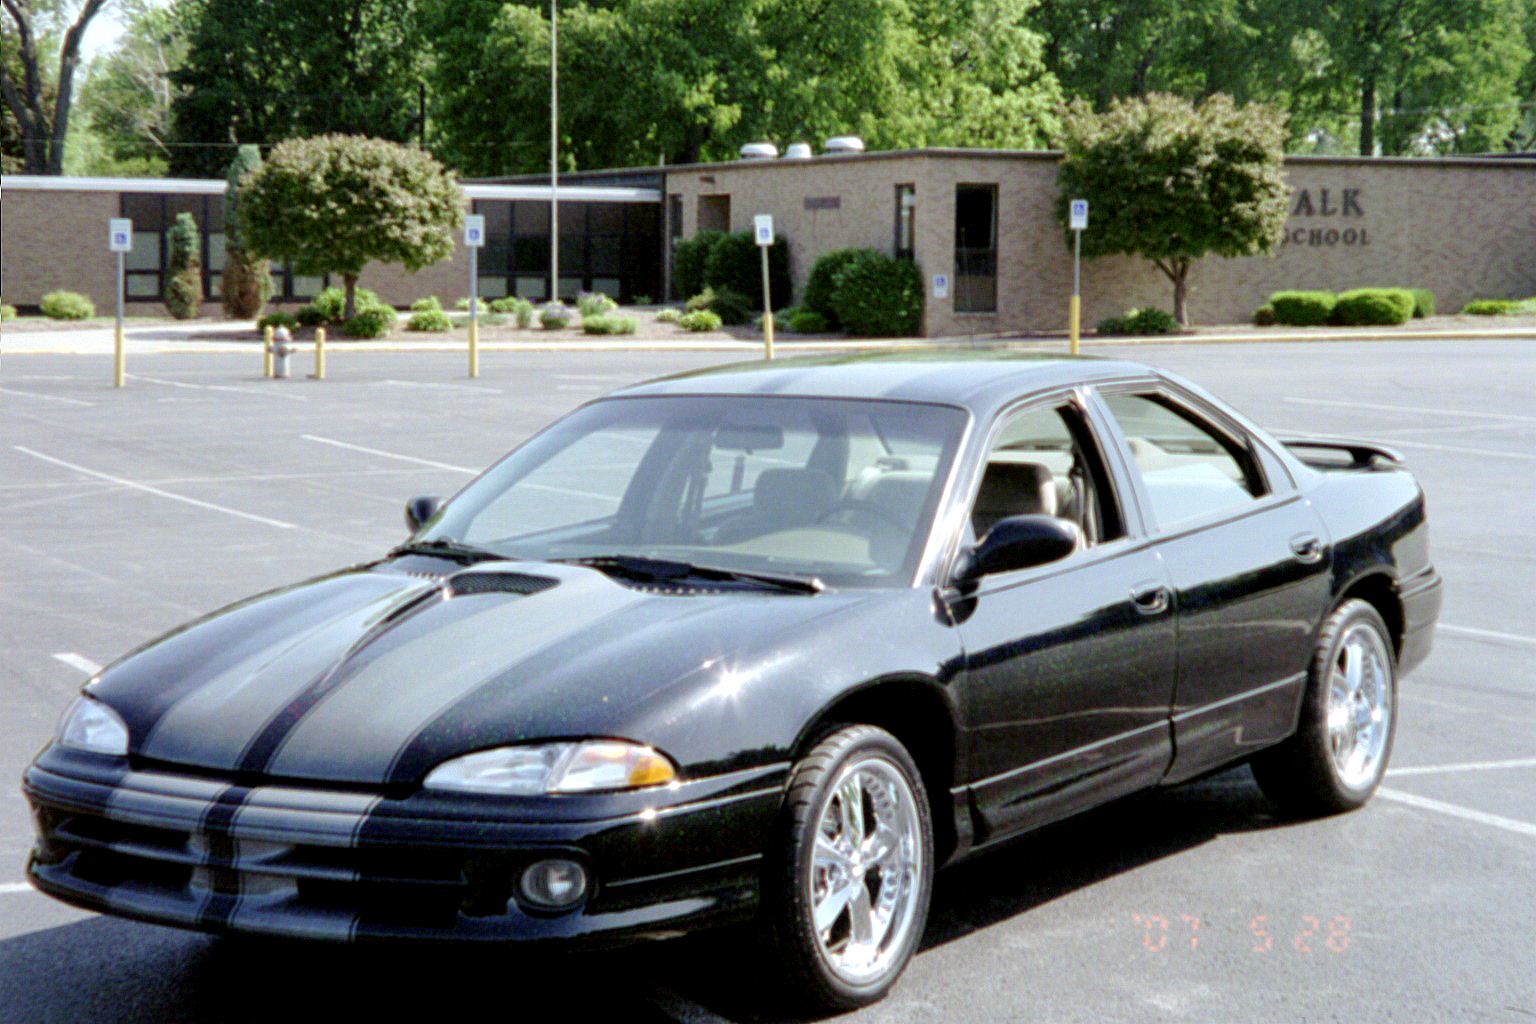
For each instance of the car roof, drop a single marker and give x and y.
(979, 379)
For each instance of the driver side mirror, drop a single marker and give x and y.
(1018, 542)
(421, 508)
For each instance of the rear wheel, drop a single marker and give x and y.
(846, 893)
(1339, 753)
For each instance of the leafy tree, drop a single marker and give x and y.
(127, 94)
(184, 282)
(1172, 182)
(247, 281)
(334, 203)
(281, 69)
(37, 96)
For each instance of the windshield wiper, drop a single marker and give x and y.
(662, 570)
(443, 547)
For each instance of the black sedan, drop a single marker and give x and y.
(770, 640)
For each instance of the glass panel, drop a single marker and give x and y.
(534, 289)
(145, 254)
(606, 254)
(605, 218)
(1188, 469)
(215, 286)
(493, 287)
(145, 210)
(570, 287)
(216, 251)
(531, 217)
(141, 286)
(906, 200)
(307, 287)
(609, 286)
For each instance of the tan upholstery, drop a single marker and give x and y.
(781, 499)
(1012, 489)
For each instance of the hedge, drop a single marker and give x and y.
(1302, 309)
(877, 296)
(1373, 307)
(821, 285)
(66, 306)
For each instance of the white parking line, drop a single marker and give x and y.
(76, 661)
(436, 386)
(388, 455)
(157, 491)
(1486, 634)
(1465, 766)
(263, 392)
(13, 888)
(1524, 828)
(45, 398)
(1412, 409)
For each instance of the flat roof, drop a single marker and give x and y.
(575, 193)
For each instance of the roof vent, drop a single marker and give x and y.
(759, 151)
(844, 144)
(798, 151)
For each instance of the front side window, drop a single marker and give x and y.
(843, 490)
(1188, 468)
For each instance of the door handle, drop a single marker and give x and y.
(1150, 598)
(1307, 547)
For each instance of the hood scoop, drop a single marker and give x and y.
(491, 581)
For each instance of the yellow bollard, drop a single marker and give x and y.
(1075, 314)
(768, 335)
(319, 353)
(266, 351)
(474, 347)
(119, 359)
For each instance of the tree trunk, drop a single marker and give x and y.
(1177, 271)
(1368, 115)
(43, 137)
(349, 310)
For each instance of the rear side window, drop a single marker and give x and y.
(1189, 469)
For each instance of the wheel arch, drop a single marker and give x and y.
(916, 710)
(1379, 590)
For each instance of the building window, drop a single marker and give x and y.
(906, 205)
(152, 214)
(611, 248)
(975, 249)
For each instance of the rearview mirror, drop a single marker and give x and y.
(421, 508)
(1019, 542)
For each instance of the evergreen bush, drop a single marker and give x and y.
(1302, 309)
(1264, 316)
(1373, 307)
(66, 306)
(689, 258)
(374, 322)
(426, 305)
(184, 270)
(1423, 303)
(806, 321)
(246, 282)
(595, 304)
(820, 286)
(603, 324)
(276, 320)
(430, 320)
(877, 296)
(699, 320)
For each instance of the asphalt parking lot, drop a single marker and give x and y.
(124, 513)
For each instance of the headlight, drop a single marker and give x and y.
(584, 767)
(91, 725)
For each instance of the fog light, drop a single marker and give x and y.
(553, 884)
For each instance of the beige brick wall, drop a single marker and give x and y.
(57, 240)
(1464, 229)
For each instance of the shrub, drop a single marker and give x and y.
(603, 324)
(462, 305)
(1365, 307)
(1152, 321)
(595, 304)
(878, 296)
(7, 312)
(184, 271)
(734, 263)
(700, 301)
(1491, 307)
(426, 305)
(374, 322)
(669, 316)
(329, 306)
(688, 261)
(1113, 325)
(434, 320)
(523, 310)
(1423, 303)
(1264, 316)
(554, 316)
(66, 306)
(246, 282)
(276, 320)
(642, 300)
(820, 287)
(731, 307)
(806, 321)
(699, 320)
(1302, 309)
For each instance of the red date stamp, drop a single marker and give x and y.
(1303, 934)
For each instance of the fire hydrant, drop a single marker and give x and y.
(282, 346)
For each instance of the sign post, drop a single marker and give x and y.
(120, 241)
(762, 225)
(474, 238)
(1077, 221)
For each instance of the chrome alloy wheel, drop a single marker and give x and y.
(863, 873)
(1359, 705)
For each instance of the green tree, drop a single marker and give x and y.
(246, 283)
(127, 94)
(1173, 182)
(334, 203)
(39, 93)
(282, 69)
(184, 269)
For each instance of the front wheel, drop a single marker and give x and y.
(1339, 753)
(846, 893)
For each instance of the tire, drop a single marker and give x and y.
(1339, 753)
(847, 885)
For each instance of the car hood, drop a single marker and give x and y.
(372, 676)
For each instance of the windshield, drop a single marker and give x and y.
(840, 490)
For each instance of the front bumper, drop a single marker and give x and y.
(202, 853)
